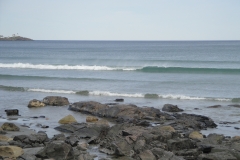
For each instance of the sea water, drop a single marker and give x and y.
(190, 74)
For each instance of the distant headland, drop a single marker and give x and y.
(15, 37)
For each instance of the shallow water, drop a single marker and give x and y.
(190, 74)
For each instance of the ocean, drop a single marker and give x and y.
(190, 74)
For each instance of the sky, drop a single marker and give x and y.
(121, 19)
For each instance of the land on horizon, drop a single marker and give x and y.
(14, 38)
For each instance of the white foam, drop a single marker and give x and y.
(183, 97)
(61, 67)
(106, 93)
(51, 91)
(134, 95)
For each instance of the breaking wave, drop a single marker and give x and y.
(148, 69)
(61, 67)
(114, 94)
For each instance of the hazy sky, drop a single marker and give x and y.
(121, 19)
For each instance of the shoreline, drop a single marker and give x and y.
(130, 120)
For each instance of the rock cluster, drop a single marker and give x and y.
(139, 133)
(49, 101)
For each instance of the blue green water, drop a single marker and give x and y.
(191, 74)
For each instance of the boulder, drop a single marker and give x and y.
(90, 107)
(10, 151)
(12, 112)
(67, 119)
(57, 150)
(195, 135)
(91, 119)
(167, 128)
(147, 155)
(119, 100)
(9, 127)
(55, 101)
(171, 108)
(35, 103)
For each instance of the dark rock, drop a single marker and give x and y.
(34, 117)
(234, 105)
(119, 100)
(185, 121)
(12, 112)
(86, 133)
(110, 104)
(90, 107)
(57, 150)
(205, 148)
(45, 126)
(228, 122)
(171, 108)
(180, 144)
(165, 155)
(70, 128)
(190, 154)
(28, 141)
(72, 140)
(215, 106)
(236, 128)
(56, 101)
(217, 156)
(58, 137)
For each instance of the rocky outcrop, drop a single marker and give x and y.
(35, 103)
(122, 113)
(29, 141)
(141, 143)
(9, 127)
(55, 101)
(84, 130)
(143, 115)
(67, 119)
(171, 108)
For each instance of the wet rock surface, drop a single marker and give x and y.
(171, 108)
(55, 101)
(139, 133)
(36, 103)
(175, 136)
(9, 127)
